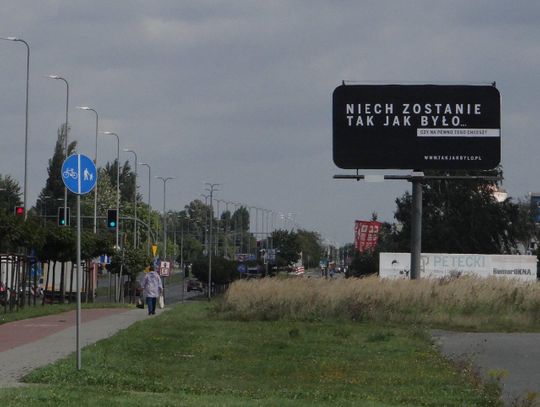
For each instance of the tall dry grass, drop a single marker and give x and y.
(464, 302)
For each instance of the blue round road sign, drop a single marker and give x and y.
(79, 174)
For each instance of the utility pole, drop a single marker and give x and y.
(211, 188)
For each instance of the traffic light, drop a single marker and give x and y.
(112, 218)
(63, 216)
(19, 211)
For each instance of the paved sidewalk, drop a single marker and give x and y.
(28, 344)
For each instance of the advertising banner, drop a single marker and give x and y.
(416, 127)
(437, 265)
(366, 235)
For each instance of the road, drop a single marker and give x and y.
(515, 354)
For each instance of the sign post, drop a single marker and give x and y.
(80, 176)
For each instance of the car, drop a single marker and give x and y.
(194, 285)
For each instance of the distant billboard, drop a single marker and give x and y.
(416, 127)
(366, 235)
(439, 265)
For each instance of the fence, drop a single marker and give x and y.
(26, 281)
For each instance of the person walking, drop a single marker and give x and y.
(152, 288)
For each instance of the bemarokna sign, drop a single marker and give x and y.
(417, 127)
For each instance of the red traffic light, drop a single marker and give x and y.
(19, 210)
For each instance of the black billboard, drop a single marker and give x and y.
(416, 127)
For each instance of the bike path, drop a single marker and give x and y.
(31, 343)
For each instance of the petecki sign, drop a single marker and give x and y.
(416, 127)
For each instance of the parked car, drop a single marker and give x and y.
(194, 285)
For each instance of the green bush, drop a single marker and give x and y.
(364, 264)
(223, 270)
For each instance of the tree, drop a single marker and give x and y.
(10, 194)
(460, 217)
(127, 178)
(240, 226)
(310, 246)
(287, 247)
(223, 270)
(51, 195)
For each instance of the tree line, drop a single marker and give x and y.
(458, 217)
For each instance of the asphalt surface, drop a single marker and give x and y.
(515, 354)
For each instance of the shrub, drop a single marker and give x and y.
(465, 302)
(223, 270)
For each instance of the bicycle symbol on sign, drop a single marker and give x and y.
(70, 172)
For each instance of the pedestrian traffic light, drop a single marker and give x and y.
(112, 218)
(19, 211)
(63, 216)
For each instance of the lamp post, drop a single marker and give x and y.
(211, 188)
(66, 130)
(25, 186)
(149, 208)
(95, 163)
(110, 133)
(134, 199)
(205, 223)
(165, 179)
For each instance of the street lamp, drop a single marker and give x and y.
(110, 133)
(26, 119)
(95, 163)
(66, 130)
(134, 198)
(165, 179)
(205, 223)
(149, 208)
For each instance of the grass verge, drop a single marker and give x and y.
(190, 357)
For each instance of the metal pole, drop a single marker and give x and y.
(182, 246)
(149, 208)
(95, 162)
(66, 146)
(117, 189)
(110, 133)
(164, 221)
(416, 224)
(210, 251)
(65, 138)
(164, 179)
(25, 183)
(79, 278)
(211, 188)
(26, 129)
(134, 200)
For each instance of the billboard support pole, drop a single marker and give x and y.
(416, 227)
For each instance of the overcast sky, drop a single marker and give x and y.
(240, 92)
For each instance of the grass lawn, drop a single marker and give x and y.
(189, 357)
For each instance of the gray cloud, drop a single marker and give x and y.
(240, 92)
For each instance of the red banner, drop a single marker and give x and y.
(366, 235)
